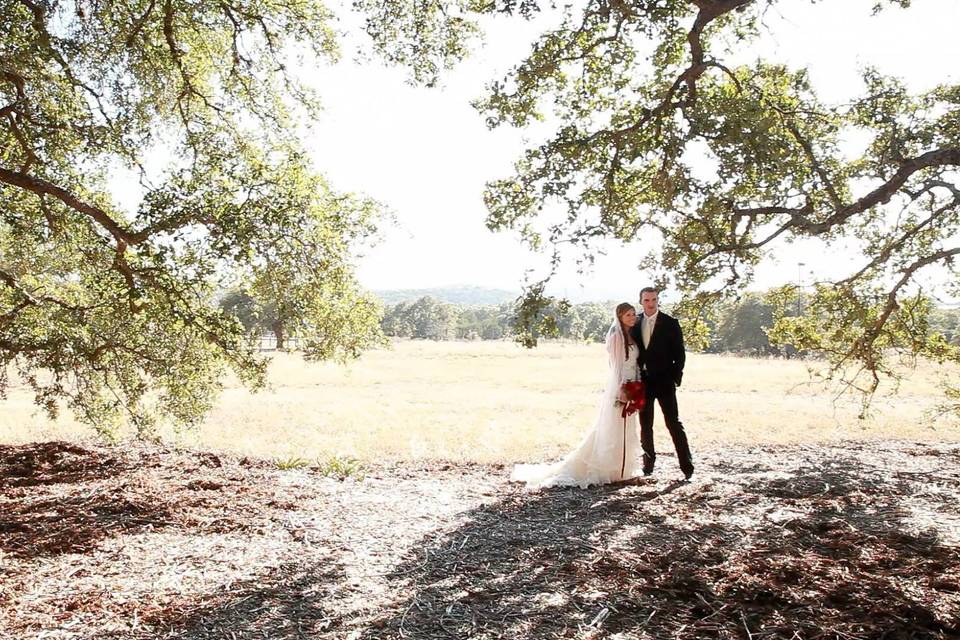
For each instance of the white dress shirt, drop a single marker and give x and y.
(647, 329)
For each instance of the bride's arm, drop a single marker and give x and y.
(616, 357)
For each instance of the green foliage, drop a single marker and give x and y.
(588, 322)
(946, 322)
(109, 304)
(292, 463)
(244, 308)
(426, 37)
(742, 327)
(484, 323)
(426, 318)
(538, 316)
(342, 468)
(862, 333)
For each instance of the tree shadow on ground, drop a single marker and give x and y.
(45, 463)
(74, 523)
(798, 553)
(56, 504)
(518, 566)
(289, 601)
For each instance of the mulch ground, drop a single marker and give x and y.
(858, 540)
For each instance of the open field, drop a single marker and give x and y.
(497, 402)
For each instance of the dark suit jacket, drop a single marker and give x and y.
(664, 358)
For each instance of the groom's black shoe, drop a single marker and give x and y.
(688, 473)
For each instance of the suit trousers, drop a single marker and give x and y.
(665, 393)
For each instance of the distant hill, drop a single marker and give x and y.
(463, 295)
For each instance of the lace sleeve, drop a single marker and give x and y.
(616, 359)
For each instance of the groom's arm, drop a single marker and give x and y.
(679, 353)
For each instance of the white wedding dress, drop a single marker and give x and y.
(609, 452)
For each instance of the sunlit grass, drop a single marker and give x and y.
(495, 401)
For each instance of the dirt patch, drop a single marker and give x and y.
(858, 540)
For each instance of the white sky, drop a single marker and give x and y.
(427, 154)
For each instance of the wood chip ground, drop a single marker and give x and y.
(852, 540)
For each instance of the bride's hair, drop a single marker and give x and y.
(622, 308)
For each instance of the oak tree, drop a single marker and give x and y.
(150, 157)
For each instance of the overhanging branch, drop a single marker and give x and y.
(43, 187)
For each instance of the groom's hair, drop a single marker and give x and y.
(653, 290)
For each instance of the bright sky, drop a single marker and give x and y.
(427, 154)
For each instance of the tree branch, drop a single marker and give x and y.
(41, 187)
(880, 195)
(138, 24)
(808, 151)
(710, 10)
(892, 304)
(883, 193)
(893, 245)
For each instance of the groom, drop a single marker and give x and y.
(661, 368)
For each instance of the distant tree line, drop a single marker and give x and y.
(947, 322)
(432, 319)
(739, 327)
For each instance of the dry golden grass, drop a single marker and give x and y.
(497, 402)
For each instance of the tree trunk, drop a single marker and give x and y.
(278, 333)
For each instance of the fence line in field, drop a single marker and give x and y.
(268, 342)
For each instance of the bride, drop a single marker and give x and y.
(609, 451)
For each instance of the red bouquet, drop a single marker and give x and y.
(635, 392)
